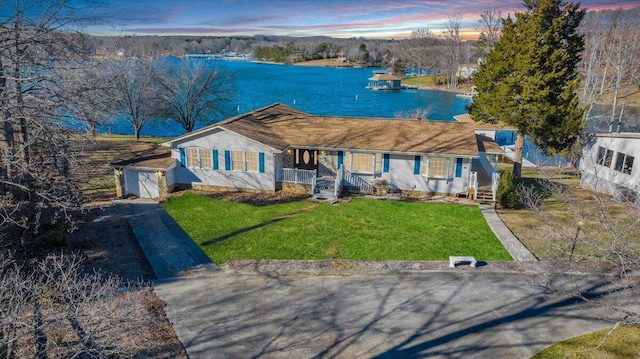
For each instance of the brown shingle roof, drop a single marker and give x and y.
(487, 145)
(481, 125)
(384, 77)
(280, 126)
(144, 154)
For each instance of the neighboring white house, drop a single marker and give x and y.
(608, 165)
(280, 148)
(467, 70)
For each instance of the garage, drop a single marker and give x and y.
(144, 170)
(142, 184)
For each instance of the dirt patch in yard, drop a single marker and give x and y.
(107, 242)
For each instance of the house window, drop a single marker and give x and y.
(192, 157)
(624, 163)
(605, 156)
(378, 165)
(601, 152)
(437, 167)
(205, 158)
(251, 161)
(237, 160)
(361, 162)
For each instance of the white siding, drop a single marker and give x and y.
(606, 179)
(226, 141)
(171, 177)
(401, 176)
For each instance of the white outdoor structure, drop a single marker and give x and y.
(608, 165)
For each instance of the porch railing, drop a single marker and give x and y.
(294, 175)
(339, 182)
(474, 184)
(357, 182)
(495, 178)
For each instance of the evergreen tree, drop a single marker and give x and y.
(529, 80)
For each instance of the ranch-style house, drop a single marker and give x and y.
(279, 148)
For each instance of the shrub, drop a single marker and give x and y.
(507, 195)
(53, 234)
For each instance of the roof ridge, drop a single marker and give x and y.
(257, 111)
(408, 120)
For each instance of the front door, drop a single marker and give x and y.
(307, 159)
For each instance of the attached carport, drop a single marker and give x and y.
(144, 170)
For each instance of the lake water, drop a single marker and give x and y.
(315, 90)
(323, 91)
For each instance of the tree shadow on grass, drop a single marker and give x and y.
(257, 226)
(260, 199)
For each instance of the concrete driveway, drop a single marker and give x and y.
(449, 315)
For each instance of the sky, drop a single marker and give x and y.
(334, 18)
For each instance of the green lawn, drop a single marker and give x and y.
(623, 343)
(359, 230)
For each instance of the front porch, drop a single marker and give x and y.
(324, 174)
(326, 187)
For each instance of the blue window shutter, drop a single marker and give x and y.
(416, 165)
(183, 157)
(261, 162)
(385, 162)
(227, 160)
(458, 167)
(340, 159)
(214, 155)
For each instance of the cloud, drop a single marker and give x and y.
(340, 18)
(240, 21)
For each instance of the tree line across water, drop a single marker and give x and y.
(49, 72)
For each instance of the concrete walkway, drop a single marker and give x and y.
(169, 250)
(518, 251)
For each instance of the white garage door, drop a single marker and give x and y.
(141, 184)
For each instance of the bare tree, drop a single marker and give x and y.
(490, 28)
(192, 92)
(415, 114)
(420, 49)
(52, 309)
(451, 50)
(86, 91)
(610, 64)
(133, 91)
(37, 155)
(591, 233)
(592, 59)
(622, 57)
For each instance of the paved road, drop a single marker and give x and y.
(447, 315)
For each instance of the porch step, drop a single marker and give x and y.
(325, 189)
(485, 195)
